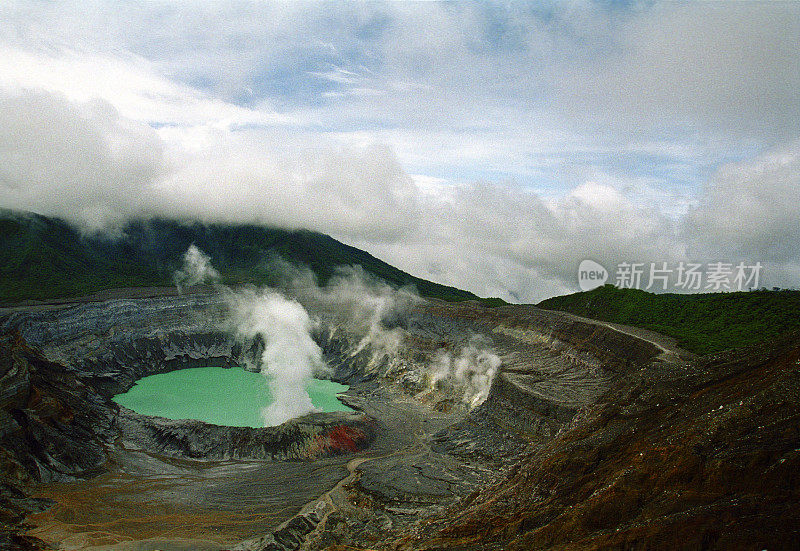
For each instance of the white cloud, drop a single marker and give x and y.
(500, 241)
(89, 164)
(346, 191)
(307, 115)
(750, 210)
(727, 67)
(82, 162)
(125, 81)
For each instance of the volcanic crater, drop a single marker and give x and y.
(576, 418)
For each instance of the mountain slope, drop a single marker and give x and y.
(44, 257)
(703, 323)
(702, 457)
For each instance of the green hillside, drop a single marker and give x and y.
(702, 323)
(43, 258)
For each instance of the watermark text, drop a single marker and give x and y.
(677, 276)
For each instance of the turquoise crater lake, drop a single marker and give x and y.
(232, 397)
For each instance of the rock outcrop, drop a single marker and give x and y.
(309, 437)
(53, 427)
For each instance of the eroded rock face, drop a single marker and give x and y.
(114, 343)
(553, 365)
(309, 437)
(116, 366)
(53, 427)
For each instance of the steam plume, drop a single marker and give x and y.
(366, 307)
(196, 269)
(375, 313)
(472, 369)
(362, 304)
(290, 359)
(371, 307)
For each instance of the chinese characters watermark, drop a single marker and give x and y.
(680, 276)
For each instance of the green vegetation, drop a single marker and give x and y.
(702, 323)
(493, 302)
(43, 258)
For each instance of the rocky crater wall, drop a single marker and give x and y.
(106, 347)
(552, 363)
(117, 342)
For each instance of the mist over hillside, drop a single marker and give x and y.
(42, 257)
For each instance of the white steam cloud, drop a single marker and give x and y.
(472, 369)
(367, 309)
(196, 269)
(362, 304)
(290, 359)
(375, 312)
(370, 306)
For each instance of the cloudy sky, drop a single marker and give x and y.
(490, 146)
